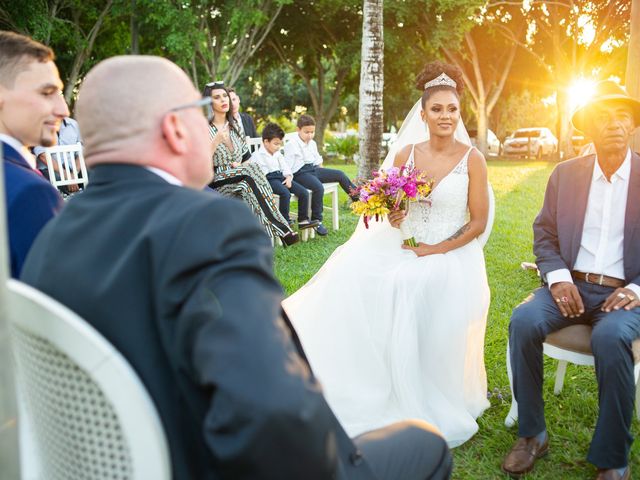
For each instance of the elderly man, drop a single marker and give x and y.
(587, 247)
(181, 281)
(31, 109)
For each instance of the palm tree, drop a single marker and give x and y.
(370, 114)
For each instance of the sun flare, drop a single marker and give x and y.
(580, 91)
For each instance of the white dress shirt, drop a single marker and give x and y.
(297, 153)
(601, 246)
(271, 163)
(238, 120)
(165, 176)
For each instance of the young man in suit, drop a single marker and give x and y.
(198, 311)
(244, 120)
(31, 109)
(587, 247)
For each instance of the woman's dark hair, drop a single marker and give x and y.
(433, 70)
(208, 89)
(271, 131)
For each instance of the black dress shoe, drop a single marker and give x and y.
(308, 224)
(321, 230)
(290, 238)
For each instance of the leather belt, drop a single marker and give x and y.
(598, 279)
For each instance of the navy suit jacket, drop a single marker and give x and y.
(558, 227)
(181, 282)
(31, 202)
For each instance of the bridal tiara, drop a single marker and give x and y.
(442, 80)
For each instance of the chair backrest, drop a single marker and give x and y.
(484, 236)
(66, 165)
(254, 143)
(91, 416)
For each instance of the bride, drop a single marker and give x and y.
(396, 332)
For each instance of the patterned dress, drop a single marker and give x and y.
(247, 182)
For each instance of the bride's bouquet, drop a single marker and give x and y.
(391, 190)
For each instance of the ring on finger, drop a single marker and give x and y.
(622, 295)
(564, 299)
(631, 298)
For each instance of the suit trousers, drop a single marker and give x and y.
(409, 450)
(275, 180)
(613, 333)
(326, 175)
(313, 177)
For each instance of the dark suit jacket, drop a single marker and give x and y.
(182, 283)
(558, 227)
(248, 125)
(31, 203)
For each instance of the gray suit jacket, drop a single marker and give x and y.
(182, 283)
(558, 227)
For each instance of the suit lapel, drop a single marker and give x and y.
(577, 199)
(632, 212)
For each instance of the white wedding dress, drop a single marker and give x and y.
(393, 336)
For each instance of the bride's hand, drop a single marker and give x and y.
(396, 217)
(423, 249)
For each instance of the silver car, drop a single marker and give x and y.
(531, 142)
(494, 146)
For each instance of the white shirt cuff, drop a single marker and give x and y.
(560, 275)
(635, 289)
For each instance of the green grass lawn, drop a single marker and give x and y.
(519, 189)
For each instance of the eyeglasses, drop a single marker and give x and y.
(216, 84)
(204, 103)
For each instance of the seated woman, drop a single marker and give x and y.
(232, 177)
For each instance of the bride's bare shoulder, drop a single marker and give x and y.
(402, 156)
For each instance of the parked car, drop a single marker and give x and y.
(530, 142)
(494, 147)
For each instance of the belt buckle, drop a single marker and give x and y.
(596, 282)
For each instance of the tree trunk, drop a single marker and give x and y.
(370, 113)
(85, 51)
(482, 121)
(135, 44)
(632, 76)
(565, 128)
(321, 125)
(251, 42)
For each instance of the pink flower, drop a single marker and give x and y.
(410, 189)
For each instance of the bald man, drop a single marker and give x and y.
(181, 281)
(31, 109)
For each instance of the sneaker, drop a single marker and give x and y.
(304, 224)
(321, 230)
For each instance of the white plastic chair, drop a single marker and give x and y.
(330, 188)
(91, 416)
(67, 172)
(254, 144)
(570, 344)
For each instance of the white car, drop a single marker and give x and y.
(531, 142)
(493, 143)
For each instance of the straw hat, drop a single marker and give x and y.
(605, 91)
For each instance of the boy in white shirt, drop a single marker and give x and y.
(279, 175)
(301, 154)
